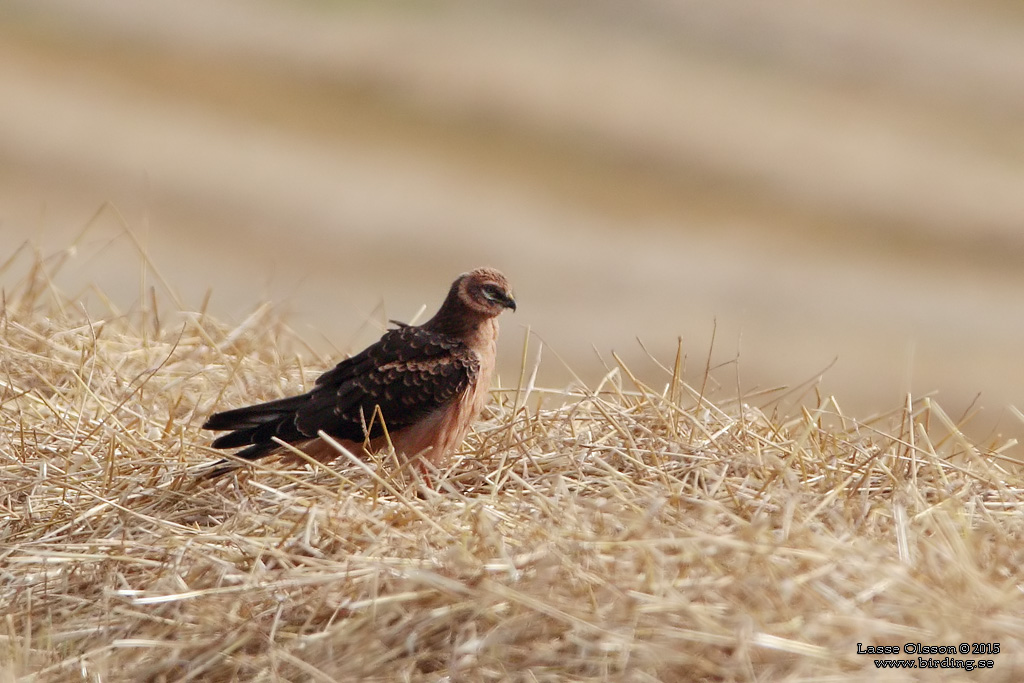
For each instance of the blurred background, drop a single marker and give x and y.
(811, 182)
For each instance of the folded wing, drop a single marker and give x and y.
(408, 375)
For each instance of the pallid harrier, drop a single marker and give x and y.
(428, 382)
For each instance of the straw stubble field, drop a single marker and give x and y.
(625, 531)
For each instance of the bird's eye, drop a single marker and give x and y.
(491, 293)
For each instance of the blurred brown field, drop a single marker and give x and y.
(806, 181)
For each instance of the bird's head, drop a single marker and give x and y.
(485, 291)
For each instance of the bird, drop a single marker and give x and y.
(421, 387)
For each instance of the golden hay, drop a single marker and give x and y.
(620, 533)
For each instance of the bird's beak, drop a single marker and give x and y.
(510, 303)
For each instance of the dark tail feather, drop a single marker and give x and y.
(257, 415)
(241, 437)
(222, 467)
(254, 427)
(281, 426)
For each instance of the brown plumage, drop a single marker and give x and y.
(429, 382)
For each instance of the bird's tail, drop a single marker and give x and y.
(254, 427)
(254, 416)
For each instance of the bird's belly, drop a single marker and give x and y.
(438, 434)
(435, 436)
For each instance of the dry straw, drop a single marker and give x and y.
(619, 532)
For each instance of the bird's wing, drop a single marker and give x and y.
(407, 375)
